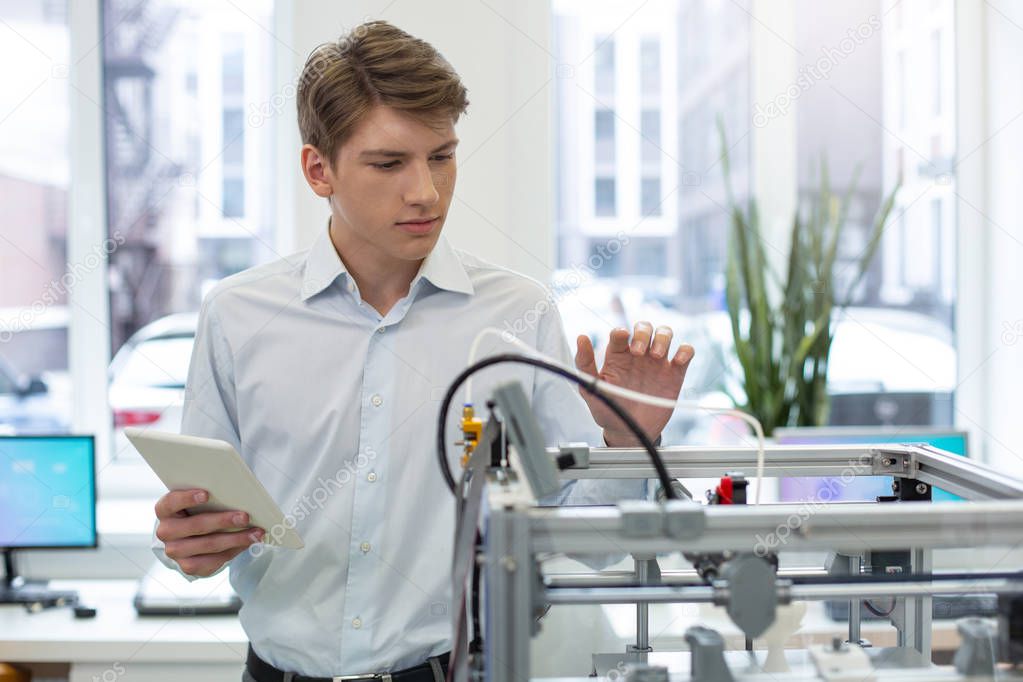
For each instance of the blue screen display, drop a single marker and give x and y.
(861, 488)
(47, 492)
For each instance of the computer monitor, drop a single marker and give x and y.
(47, 501)
(862, 488)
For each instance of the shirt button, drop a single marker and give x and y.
(371, 477)
(377, 401)
(381, 330)
(356, 623)
(365, 547)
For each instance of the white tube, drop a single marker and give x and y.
(656, 401)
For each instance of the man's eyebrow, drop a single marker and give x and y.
(400, 155)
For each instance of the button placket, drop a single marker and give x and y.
(364, 542)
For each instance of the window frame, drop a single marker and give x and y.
(89, 356)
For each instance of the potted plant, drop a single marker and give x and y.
(782, 328)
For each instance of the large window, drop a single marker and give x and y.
(35, 276)
(188, 146)
(869, 92)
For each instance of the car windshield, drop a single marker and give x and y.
(160, 362)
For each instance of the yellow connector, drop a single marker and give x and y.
(472, 430)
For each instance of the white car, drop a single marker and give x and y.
(147, 378)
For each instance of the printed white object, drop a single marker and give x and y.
(787, 620)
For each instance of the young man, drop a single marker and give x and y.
(325, 370)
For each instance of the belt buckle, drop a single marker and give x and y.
(383, 677)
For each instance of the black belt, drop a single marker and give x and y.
(262, 671)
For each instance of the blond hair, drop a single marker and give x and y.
(374, 64)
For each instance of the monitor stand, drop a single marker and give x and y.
(35, 595)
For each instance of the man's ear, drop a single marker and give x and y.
(315, 169)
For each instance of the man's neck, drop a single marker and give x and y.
(382, 280)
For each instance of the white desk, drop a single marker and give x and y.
(118, 645)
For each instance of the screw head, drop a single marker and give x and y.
(921, 488)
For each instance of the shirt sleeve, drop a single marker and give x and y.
(210, 409)
(565, 418)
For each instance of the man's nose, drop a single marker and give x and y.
(421, 189)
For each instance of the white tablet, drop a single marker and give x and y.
(184, 462)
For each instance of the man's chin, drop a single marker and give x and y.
(418, 247)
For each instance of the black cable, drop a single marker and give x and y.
(459, 490)
(591, 386)
(878, 612)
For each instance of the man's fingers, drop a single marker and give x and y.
(177, 501)
(188, 548)
(200, 524)
(585, 361)
(641, 338)
(661, 343)
(208, 564)
(618, 341)
(683, 356)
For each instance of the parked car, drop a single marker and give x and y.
(147, 378)
(35, 389)
(27, 404)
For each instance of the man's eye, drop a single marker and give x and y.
(385, 166)
(443, 157)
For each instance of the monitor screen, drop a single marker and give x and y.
(47, 492)
(862, 488)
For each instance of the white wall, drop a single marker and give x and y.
(773, 64)
(990, 207)
(502, 205)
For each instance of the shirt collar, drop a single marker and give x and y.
(322, 266)
(442, 268)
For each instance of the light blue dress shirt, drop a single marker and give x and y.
(335, 410)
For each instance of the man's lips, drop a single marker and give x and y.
(419, 225)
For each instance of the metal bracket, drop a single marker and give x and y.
(641, 518)
(580, 454)
(893, 463)
(708, 655)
